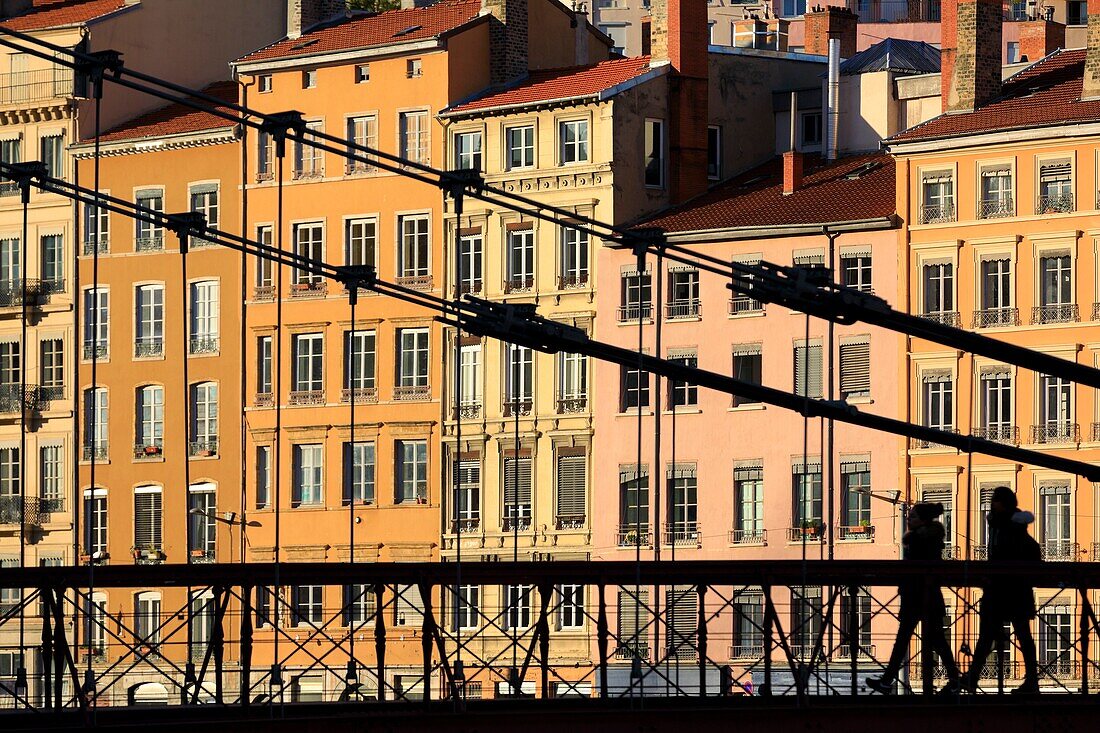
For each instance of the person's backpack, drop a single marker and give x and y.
(1030, 548)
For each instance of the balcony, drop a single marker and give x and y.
(746, 651)
(631, 535)
(40, 85)
(92, 246)
(513, 524)
(466, 411)
(148, 556)
(23, 510)
(357, 167)
(309, 173)
(412, 393)
(572, 405)
(996, 317)
(303, 290)
(97, 350)
(203, 448)
(996, 208)
(1094, 554)
(743, 305)
(637, 311)
(301, 397)
(1055, 313)
(945, 318)
(950, 552)
(682, 309)
(469, 525)
(1008, 434)
(199, 345)
(14, 293)
(15, 398)
(267, 174)
(145, 348)
(979, 552)
(97, 452)
(807, 532)
(863, 651)
(855, 533)
(573, 282)
(195, 242)
(921, 444)
(474, 287)
(415, 282)
(263, 293)
(937, 213)
(49, 288)
(519, 284)
(513, 407)
(151, 243)
(757, 537)
(1060, 551)
(633, 650)
(149, 450)
(263, 399)
(200, 556)
(683, 534)
(569, 521)
(1055, 203)
(1052, 433)
(362, 395)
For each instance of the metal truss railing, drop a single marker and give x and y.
(410, 632)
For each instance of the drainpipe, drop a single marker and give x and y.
(244, 324)
(830, 445)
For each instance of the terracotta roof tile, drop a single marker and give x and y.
(1046, 93)
(57, 13)
(175, 119)
(568, 83)
(828, 195)
(376, 29)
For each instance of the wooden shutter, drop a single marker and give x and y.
(572, 478)
(682, 612)
(147, 520)
(510, 481)
(855, 368)
(807, 370)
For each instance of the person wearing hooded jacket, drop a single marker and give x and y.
(1007, 600)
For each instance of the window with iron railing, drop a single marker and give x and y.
(574, 259)
(937, 198)
(520, 275)
(1055, 290)
(996, 193)
(683, 294)
(995, 406)
(1055, 187)
(148, 237)
(636, 296)
(309, 160)
(996, 308)
(149, 339)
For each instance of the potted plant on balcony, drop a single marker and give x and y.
(808, 529)
(204, 452)
(151, 450)
(198, 554)
(864, 527)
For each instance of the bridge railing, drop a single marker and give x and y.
(260, 634)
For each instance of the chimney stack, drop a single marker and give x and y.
(301, 14)
(970, 58)
(1040, 37)
(680, 36)
(580, 28)
(507, 40)
(822, 24)
(792, 171)
(1091, 87)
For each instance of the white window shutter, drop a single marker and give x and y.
(855, 369)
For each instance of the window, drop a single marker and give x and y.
(683, 293)
(654, 153)
(573, 141)
(412, 472)
(309, 244)
(201, 624)
(363, 132)
(308, 469)
(996, 193)
(359, 364)
(995, 417)
(11, 483)
(95, 522)
(408, 606)
(1055, 289)
(11, 266)
(469, 391)
(412, 363)
(938, 279)
(517, 605)
(308, 373)
(358, 473)
(938, 399)
(807, 370)
(307, 605)
(148, 236)
(859, 638)
(11, 369)
(855, 268)
(359, 604)
(748, 504)
(204, 317)
(263, 366)
(570, 606)
(361, 242)
(147, 618)
(683, 394)
(465, 605)
(572, 478)
(263, 476)
(572, 382)
(150, 427)
(634, 623)
(150, 321)
(309, 79)
(413, 128)
(204, 419)
(1056, 641)
(467, 497)
(683, 508)
(714, 153)
(633, 505)
(413, 68)
(519, 372)
(414, 255)
(1055, 516)
(95, 624)
(618, 36)
(1055, 187)
(811, 129)
(265, 156)
(51, 476)
(806, 619)
(855, 476)
(468, 150)
(937, 197)
(748, 366)
(11, 152)
(52, 267)
(52, 147)
(517, 492)
(96, 322)
(855, 367)
(521, 260)
(362, 73)
(682, 621)
(202, 522)
(96, 229)
(635, 389)
(1056, 411)
(52, 367)
(309, 160)
(748, 624)
(574, 258)
(807, 497)
(521, 146)
(204, 200)
(95, 423)
(1012, 52)
(265, 268)
(263, 82)
(1076, 13)
(147, 518)
(637, 296)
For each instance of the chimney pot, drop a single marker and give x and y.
(1040, 37)
(792, 171)
(970, 58)
(821, 24)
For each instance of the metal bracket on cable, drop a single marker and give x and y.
(807, 289)
(185, 225)
(23, 174)
(357, 277)
(518, 323)
(93, 67)
(642, 240)
(279, 125)
(457, 182)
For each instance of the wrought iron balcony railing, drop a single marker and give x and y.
(15, 398)
(863, 651)
(91, 246)
(997, 433)
(630, 535)
(742, 304)
(746, 651)
(151, 449)
(683, 534)
(263, 293)
(921, 444)
(806, 532)
(473, 287)
(636, 311)
(98, 349)
(748, 537)
(263, 399)
(466, 411)
(201, 556)
(467, 525)
(98, 451)
(363, 395)
(519, 284)
(632, 650)
(679, 309)
(996, 208)
(937, 213)
(309, 173)
(979, 552)
(569, 521)
(996, 317)
(1056, 313)
(309, 289)
(1060, 550)
(149, 347)
(203, 448)
(416, 282)
(513, 407)
(572, 405)
(299, 397)
(27, 510)
(13, 293)
(1056, 203)
(412, 393)
(1055, 432)
(521, 523)
(856, 532)
(947, 318)
(203, 345)
(151, 243)
(573, 282)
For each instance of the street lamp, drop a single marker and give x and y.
(230, 519)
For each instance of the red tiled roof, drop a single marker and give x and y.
(57, 13)
(377, 29)
(1046, 93)
(567, 83)
(827, 195)
(175, 119)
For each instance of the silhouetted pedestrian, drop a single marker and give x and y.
(1007, 600)
(924, 542)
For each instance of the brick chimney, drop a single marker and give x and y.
(792, 171)
(821, 24)
(1091, 88)
(970, 58)
(507, 40)
(1040, 37)
(301, 14)
(680, 36)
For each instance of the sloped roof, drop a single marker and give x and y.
(855, 188)
(547, 85)
(364, 30)
(58, 13)
(894, 54)
(175, 119)
(1045, 93)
